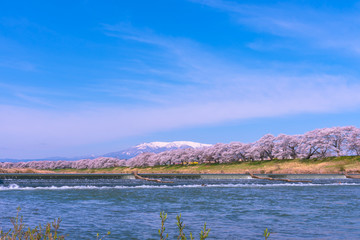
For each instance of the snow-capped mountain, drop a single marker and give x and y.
(131, 152)
(154, 147)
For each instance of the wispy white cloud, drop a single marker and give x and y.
(31, 129)
(33, 96)
(212, 77)
(35, 100)
(321, 27)
(196, 88)
(18, 65)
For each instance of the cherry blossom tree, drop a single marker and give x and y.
(337, 138)
(237, 151)
(287, 146)
(310, 144)
(265, 147)
(336, 141)
(354, 141)
(143, 159)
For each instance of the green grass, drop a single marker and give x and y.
(325, 165)
(50, 231)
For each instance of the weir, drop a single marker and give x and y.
(164, 176)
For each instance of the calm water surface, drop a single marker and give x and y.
(233, 209)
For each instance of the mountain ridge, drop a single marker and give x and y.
(155, 147)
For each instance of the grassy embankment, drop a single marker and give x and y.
(351, 164)
(24, 170)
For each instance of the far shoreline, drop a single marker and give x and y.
(173, 176)
(331, 165)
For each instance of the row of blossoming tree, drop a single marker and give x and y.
(319, 143)
(101, 162)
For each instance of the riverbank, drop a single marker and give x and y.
(332, 165)
(24, 170)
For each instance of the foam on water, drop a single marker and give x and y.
(87, 187)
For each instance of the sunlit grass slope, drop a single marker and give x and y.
(329, 165)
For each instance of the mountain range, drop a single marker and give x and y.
(155, 147)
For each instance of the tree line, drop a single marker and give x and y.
(319, 143)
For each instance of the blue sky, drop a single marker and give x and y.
(90, 77)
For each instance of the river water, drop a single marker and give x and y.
(232, 208)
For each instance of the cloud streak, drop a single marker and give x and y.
(184, 84)
(43, 130)
(321, 27)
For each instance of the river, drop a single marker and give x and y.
(327, 208)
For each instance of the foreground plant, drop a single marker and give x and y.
(266, 234)
(47, 232)
(19, 231)
(163, 216)
(181, 226)
(50, 230)
(103, 237)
